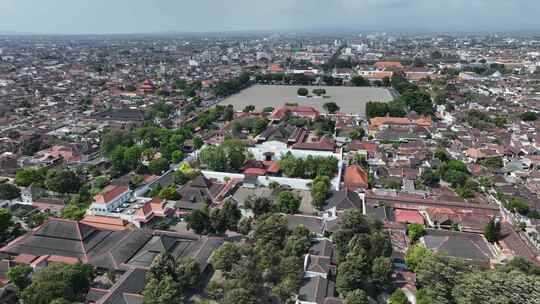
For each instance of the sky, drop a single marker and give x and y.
(155, 16)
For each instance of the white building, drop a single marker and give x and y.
(109, 199)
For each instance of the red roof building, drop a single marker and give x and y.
(147, 86)
(408, 216)
(66, 153)
(356, 178)
(324, 144)
(276, 68)
(155, 208)
(369, 147)
(105, 222)
(381, 65)
(110, 193)
(298, 111)
(377, 122)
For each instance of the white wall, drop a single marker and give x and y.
(295, 183)
(280, 149)
(220, 176)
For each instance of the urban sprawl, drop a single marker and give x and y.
(279, 168)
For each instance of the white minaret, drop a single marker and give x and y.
(162, 68)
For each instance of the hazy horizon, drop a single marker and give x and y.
(162, 16)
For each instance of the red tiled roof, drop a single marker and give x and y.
(408, 216)
(151, 209)
(24, 258)
(388, 64)
(272, 166)
(363, 145)
(110, 193)
(301, 111)
(255, 171)
(62, 259)
(355, 178)
(145, 212)
(105, 222)
(379, 121)
(325, 144)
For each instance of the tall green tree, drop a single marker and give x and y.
(59, 281)
(226, 256)
(353, 273)
(227, 157)
(62, 181)
(359, 81)
(357, 296)
(320, 189)
(170, 281)
(110, 140)
(9, 191)
(5, 221)
(157, 166)
(415, 231)
(302, 92)
(20, 276)
(492, 231)
(288, 202)
(259, 205)
(494, 286)
(331, 107)
(26, 177)
(398, 297)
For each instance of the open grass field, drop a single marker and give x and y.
(351, 100)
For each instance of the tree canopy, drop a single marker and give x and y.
(227, 157)
(302, 92)
(331, 107)
(309, 167)
(171, 281)
(320, 189)
(288, 202)
(9, 191)
(363, 252)
(62, 181)
(58, 282)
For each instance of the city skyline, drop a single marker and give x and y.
(125, 17)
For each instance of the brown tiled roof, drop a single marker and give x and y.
(325, 144)
(105, 222)
(388, 64)
(110, 193)
(356, 177)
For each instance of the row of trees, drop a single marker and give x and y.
(443, 279)
(170, 281)
(480, 120)
(215, 220)
(320, 190)
(57, 283)
(229, 156)
(316, 91)
(363, 254)
(289, 79)
(411, 99)
(9, 191)
(454, 172)
(269, 268)
(321, 125)
(8, 228)
(60, 181)
(286, 202)
(254, 125)
(230, 87)
(119, 146)
(309, 167)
